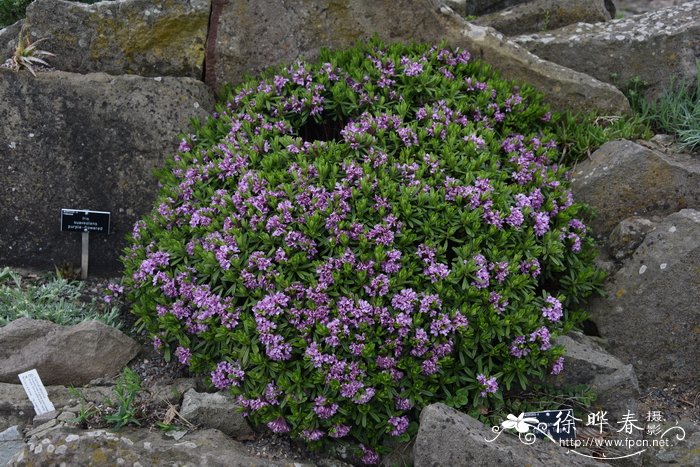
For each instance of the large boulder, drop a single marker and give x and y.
(650, 317)
(623, 179)
(249, 36)
(586, 362)
(140, 447)
(545, 15)
(449, 437)
(71, 355)
(86, 142)
(141, 37)
(657, 47)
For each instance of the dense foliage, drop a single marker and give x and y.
(344, 243)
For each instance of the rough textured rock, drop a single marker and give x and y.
(449, 437)
(217, 411)
(172, 391)
(71, 355)
(141, 37)
(16, 409)
(10, 443)
(624, 179)
(545, 15)
(586, 362)
(139, 447)
(8, 39)
(657, 47)
(248, 36)
(85, 142)
(480, 7)
(683, 451)
(628, 235)
(650, 317)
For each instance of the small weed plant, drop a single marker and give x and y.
(56, 300)
(344, 243)
(675, 112)
(125, 410)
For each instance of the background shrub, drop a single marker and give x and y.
(344, 243)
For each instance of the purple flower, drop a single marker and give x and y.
(312, 435)
(436, 272)
(404, 300)
(400, 425)
(541, 334)
(379, 286)
(369, 456)
(517, 348)
(531, 267)
(553, 310)
(226, 375)
(322, 409)
(411, 68)
(157, 343)
(339, 431)
(490, 385)
(541, 223)
(402, 404)
(183, 355)
(558, 366)
(482, 273)
(430, 366)
(393, 262)
(278, 425)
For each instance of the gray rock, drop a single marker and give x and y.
(142, 37)
(449, 437)
(10, 444)
(248, 37)
(45, 417)
(628, 235)
(88, 142)
(16, 409)
(217, 411)
(586, 362)
(8, 39)
(173, 391)
(623, 179)
(657, 47)
(139, 447)
(545, 15)
(58, 353)
(43, 428)
(682, 447)
(650, 316)
(480, 7)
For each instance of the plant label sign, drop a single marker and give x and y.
(82, 220)
(31, 382)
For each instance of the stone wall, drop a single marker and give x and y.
(87, 142)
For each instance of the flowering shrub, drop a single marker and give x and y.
(342, 244)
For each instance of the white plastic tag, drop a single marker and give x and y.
(36, 392)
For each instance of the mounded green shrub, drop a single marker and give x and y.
(343, 243)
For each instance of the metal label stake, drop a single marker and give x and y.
(84, 257)
(85, 221)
